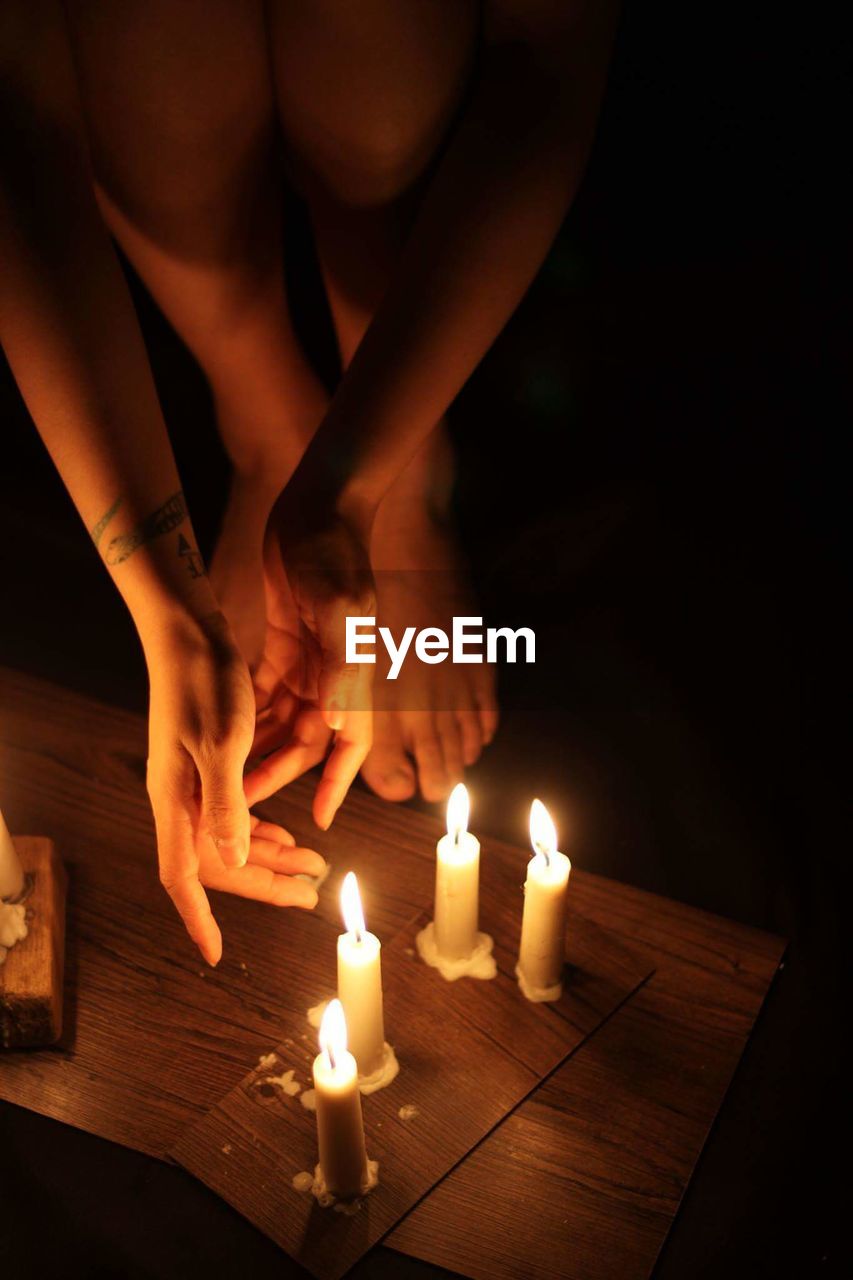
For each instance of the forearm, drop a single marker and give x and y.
(70, 334)
(492, 210)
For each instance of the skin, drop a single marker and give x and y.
(436, 180)
(69, 331)
(509, 170)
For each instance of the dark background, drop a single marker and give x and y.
(650, 476)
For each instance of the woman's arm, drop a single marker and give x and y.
(495, 203)
(508, 175)
(70, 334)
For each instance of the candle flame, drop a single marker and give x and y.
(543, 833)
(351, 906)
(333, 1032)
(458, 810)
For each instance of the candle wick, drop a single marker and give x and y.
(358, 935)
(543, 853)
(332, 1062)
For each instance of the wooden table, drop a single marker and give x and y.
(583, 1179)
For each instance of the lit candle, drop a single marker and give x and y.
(340, 1129)
(11, 871)
(451, 942)
(360, 983)
(457, 882)
(543, 927)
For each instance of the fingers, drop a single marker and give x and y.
(309, 746)
(327, 599)
(179, 872)
(285, 860)
(224, 810)
(263, 830)
(194, 909)
(262, 885)
(351, 746)
(274, 725)
(311, 738)
(170, 788)
(268, 875)
(342, 686)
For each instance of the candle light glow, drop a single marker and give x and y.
(458, 812)
(360, 992)
(543, 833)
(351, 907)
(542, 949)
(343, 1171)
(333, 1033)
(452, 942)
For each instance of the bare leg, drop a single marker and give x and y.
(182, 128)
(362, 116)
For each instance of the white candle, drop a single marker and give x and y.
(11, 871)
(360, 983)
(457, 882)
(543, 928)
(340, 1130)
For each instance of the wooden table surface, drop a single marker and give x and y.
(583, 1179)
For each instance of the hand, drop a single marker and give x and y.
(308, 696)
(201, 723)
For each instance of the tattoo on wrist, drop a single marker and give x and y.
(97, 531)
(166, 518)
(191, 557)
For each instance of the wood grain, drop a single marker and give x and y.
(156, 1039)
(611, 1139)
(469, 1052)
(31, 987)
(137, 987)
